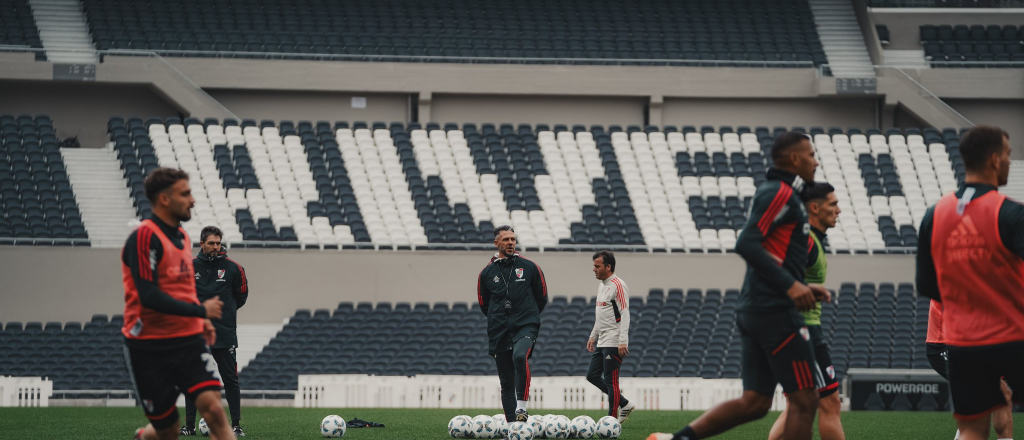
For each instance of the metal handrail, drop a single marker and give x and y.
(966, 122)
(420, 58)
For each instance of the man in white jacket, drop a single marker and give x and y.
(609, 341)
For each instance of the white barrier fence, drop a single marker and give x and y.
(555, 393)
(25, 391)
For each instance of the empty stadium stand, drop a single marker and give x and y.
(678, 333)
(39, 204)
(734, 32)
(396, 185)
(18, 27)
(973, 46)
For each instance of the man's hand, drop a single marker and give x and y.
(821, 293)
(213, 308)
(623, 349)
(209, 333)
(802, 295)
(590, 344)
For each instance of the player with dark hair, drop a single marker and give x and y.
(218, 276)
(166, 329)
(775, 341)
(822, 213)
(970, 260)
(512, 292)
(609, 340)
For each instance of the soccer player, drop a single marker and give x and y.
(609, 341)
(970, 258)
(935, 348)
(512, 292)
(166, 329)
(775, 342)
(822, 213)
(218, 276)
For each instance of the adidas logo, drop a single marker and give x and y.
(608, 357)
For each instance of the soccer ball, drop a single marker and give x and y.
(332, 427)
(537, 423)
(582, 427)
(520, 431)
(483, 427)
(500, 425)
(460, 427)
(556, 427)
(204, 430)
(608, 427)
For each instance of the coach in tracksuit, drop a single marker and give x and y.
(512, 292)
(219, 276)
(609, 340)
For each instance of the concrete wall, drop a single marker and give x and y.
(824, 112)
(43, 284)
(313, 106)
(905, 23)
(82, 109)
(1006, 114)
(538, 109)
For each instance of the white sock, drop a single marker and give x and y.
(957, 435)
(520, 405)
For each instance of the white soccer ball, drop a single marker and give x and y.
(483, 427)
(537, 423)
(500, 425)
(520, 431)
(556, 427)
(608, 427)
(582, 427)
(204, 429)
(460, 427)
(332, 427)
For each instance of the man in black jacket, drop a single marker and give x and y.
(512, 292)
(218, 276)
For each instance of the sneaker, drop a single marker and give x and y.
(138, 433)
(238, 431)
(186, 431)
(522, 415)
(659, 436)
(625, 411)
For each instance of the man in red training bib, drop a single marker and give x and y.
(970, 258)
(166, 329)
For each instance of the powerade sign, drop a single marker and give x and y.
(897, 390)
(907, 388)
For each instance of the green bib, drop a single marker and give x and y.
(816, 275)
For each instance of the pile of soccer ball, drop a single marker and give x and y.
(333, 427)
(548, 426)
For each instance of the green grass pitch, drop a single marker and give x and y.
(291, 423)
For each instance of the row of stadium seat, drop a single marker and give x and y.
(18, 27)
(776, 30)
(967, 46)
(406, 185)
(687, 333)
(38, 201)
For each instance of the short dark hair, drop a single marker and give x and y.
(499, 229)
(785, 141)
(607, 257)
(208, 231)
(980, 143)
(818, 191)
(160, 179)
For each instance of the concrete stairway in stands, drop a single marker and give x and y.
(102, 194)
(1015, 188)
(842, 39)
(64, 31)
(252, 338)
